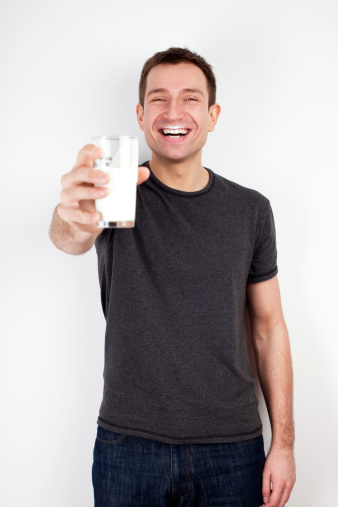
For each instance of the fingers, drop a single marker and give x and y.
(87, 155)
(275, 498)
(285, 497)
(78, 184)
(266, 488)
(77, 199)
(72, 196)
(84, 174)
(79, 218)
(82, 186)
(286, 492)
(278, 497)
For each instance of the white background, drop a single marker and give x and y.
(70, 70)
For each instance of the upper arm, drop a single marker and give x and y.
(264, 305)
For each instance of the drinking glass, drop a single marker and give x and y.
(120, 161)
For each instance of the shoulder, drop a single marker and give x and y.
(240, 193)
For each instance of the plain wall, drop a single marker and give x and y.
(70, 70)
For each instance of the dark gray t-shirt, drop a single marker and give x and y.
(173, 293)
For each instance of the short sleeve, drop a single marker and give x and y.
(264, 260)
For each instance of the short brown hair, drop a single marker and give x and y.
(174, 56)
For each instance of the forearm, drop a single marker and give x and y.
(67, 238)
(273, 356)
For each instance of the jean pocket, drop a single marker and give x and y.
(109, 437)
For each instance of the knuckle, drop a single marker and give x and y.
(87, 150)
(88, 147)
(78, 216)
(84, 174)
(92, 175)
(76, 172)
(85, 193)
(92, 192)
(66, 197)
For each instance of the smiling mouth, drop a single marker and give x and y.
(174, 132)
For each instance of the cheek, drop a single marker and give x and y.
(149, 136)
(203, 123)
(148, 122)
(202, 119)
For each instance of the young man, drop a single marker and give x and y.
(179, 423)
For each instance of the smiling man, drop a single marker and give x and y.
(179, 422)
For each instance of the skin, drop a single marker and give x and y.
(177, 95)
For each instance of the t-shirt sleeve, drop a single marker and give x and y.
(264, 260)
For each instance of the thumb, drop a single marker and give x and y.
(266, 488)
(143, 174)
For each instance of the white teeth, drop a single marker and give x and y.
(175, 131)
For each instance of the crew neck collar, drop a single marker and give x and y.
(181, 193)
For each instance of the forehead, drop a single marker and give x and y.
(176, 77)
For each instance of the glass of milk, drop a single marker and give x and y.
(120, 161)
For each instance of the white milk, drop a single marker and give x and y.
(120, 204)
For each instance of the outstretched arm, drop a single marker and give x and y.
(272, 349)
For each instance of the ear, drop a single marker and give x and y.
(214, 112)
(140, 114)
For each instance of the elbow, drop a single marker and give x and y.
(266, 329)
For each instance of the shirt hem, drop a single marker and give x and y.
(204, 439)
(263, 278)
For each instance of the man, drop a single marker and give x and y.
(179, 423)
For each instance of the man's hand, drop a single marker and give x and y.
(77, 204)
(74, 224)
(279, 476)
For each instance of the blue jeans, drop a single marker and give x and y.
(131, 471)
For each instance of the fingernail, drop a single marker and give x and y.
(265, 499)
(97, 152)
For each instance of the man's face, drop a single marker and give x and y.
(176, 118)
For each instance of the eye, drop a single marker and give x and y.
(191, 99)
(158, 100)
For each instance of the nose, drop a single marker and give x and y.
(174, 111)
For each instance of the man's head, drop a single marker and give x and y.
(177, 105)
(174, 56)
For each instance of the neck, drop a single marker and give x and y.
(186, 176)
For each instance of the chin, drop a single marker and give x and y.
(171, 157)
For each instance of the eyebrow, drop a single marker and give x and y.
(185, 90)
